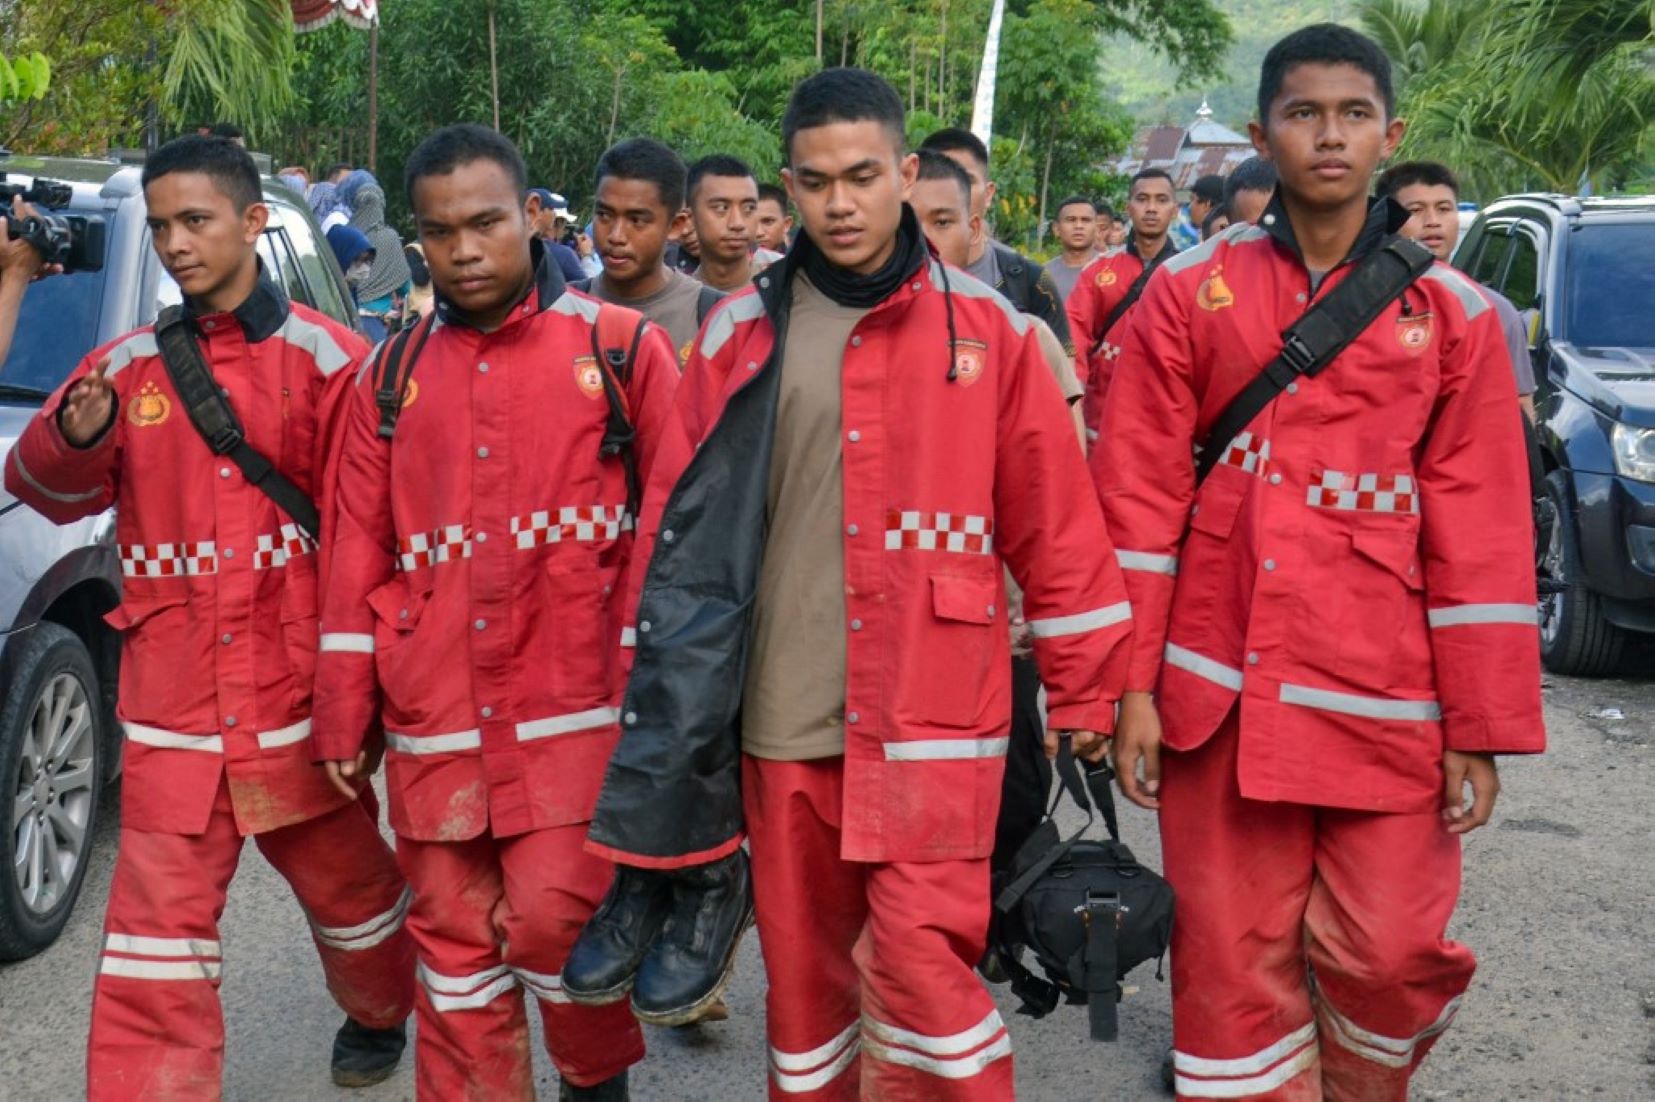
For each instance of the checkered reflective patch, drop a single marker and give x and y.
(447, 544)
(913, 531)
(1250, 453)
(1367, 493)
(275, 550)
(168, 560)
(583, 523)
(1110, 351)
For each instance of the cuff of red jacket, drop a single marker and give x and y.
(65, 470)
(335, 741)
(1487, 735)
(1088, 715)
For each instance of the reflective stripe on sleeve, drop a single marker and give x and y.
(46, 491)
(1081, 622)
(1147, 562)
(346, 642)
(947, 749)
(1450, 616)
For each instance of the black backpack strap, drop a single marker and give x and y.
(210, 413)
(1100, 978)
(615, 363)
(1313, 342)
(393, 370)
(1132, 295)
(705, 301)
(1040, 997)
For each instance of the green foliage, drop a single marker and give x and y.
(26, 78)
(99, 82)
(229, 60)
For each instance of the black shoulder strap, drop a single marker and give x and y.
(393, 368)
(615, 364)
(705, 301)
(213, 418)
(1132, 294)
(1313, 342)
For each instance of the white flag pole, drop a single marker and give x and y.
(982, 112)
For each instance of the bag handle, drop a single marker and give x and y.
(1069, 774)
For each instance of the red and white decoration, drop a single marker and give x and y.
(313, 15)
(1366, 493)
(913, 531)
(168, 560)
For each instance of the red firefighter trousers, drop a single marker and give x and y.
(872, 993)
(492, 915)
(1308, 957)
(157, 1028)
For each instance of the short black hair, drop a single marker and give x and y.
(1104, 210)
(1219, 210)
(227, 164)
(843, 95)
(936, 165)
(1410, 173)
(648, 160)
(954, 139)
(1076, 200)
(1150, 174)
(1324, 44)
(226, 130)
(336, 168)
(447, 149)
(1253, 174)
(1210, 188)
(775, 194)
(716, 164)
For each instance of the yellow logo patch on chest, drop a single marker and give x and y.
(970, 357)
(589, 376)
(1106, 278)
(410, 395)
(149, 406)
(1214, 293)
(1413, 332)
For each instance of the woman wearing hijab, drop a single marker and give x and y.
(355, 255)
(329, 209)
(379, 296)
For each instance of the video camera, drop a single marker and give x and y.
(75, 241)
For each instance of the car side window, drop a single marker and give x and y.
(1491, 255)
(315, 260)
(273, 243)
(1522, 280)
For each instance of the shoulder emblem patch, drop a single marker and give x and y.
(1214, 293)
(589, 376)
(149, 406)
(969, 358)
(1413, 332)
(1106, 277)
(410, 395)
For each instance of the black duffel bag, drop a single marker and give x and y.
(1086, 909)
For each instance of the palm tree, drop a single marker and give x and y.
(228, 59)
(1419, 38)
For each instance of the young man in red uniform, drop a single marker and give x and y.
(859, 441)
(1339, 624)
(218, 612)
(1098, 320)
(473, 609)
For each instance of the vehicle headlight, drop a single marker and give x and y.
(1634, 452)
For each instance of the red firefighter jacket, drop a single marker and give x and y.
(479, 557)
(218, 605)
(1358, 569)
(1100, 287)
(944, 478)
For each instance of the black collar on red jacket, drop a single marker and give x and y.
(1169, 249)
(260, 313)
(547, 287)
(1385, 217)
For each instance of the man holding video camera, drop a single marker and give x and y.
(20, 265)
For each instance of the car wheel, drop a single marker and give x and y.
(1574, 636)
(50, 727)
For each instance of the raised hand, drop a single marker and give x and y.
(89, 407)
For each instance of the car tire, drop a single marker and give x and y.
(51, 722)
(1575, 638)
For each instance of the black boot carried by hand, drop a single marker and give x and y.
(690, 964)
(610, 1090)
(601, 966)
(364, 1056)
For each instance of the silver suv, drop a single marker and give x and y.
(59, 743)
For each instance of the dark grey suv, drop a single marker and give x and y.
(1583, 271)
(58, 740)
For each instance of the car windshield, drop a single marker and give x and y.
(1611, 287)
(58, 326)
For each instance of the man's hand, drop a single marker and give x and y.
(1022, 639)
(19, 260)
(1138, 739)
(88, 407)
(350, 776)
(1478, 770)
(1087, 745)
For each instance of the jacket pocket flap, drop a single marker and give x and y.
(966, 600)
(1396, 549)
(397, 607)
(134, 609)
(1218, 505)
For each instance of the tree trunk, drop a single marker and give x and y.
(615, 108)
(942, 67)
(913, 74)
(493, 67)
(819, 4)
(1045, 186)
(373, 97)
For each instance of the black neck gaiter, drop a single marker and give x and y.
(863, 292)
